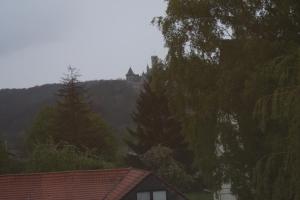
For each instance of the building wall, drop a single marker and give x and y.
(152, 183)
(225, 193)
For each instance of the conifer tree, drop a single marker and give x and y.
(71, 121)
(72, 112)
(155, 124)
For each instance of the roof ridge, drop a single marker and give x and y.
(144, 174)
(108, 193)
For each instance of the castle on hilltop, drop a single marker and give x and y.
(136, 78)
(132, 77)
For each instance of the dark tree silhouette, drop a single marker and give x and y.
(72, 121)
(155, 124)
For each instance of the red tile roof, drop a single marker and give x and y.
(73, 185)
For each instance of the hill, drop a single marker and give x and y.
(114, 100)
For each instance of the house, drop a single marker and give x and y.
(110, 184)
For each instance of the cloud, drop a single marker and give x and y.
(103, 38)
(30, 22)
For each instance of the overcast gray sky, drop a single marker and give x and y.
(102, 38)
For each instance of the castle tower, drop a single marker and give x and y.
(131, 76)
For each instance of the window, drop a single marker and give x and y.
(159, 195)
(143, 196)
(155, 195)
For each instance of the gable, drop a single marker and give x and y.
(152, 183)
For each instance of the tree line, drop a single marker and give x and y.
(65, 136)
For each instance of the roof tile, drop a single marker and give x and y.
(73, 185)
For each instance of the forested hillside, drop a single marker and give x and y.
(114, 100)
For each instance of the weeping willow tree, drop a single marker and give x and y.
(232, 80)
(277, 173)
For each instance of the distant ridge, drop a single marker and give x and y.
(114, 100)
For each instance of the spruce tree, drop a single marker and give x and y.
(72, 112)
(71, 121)
(155, 124)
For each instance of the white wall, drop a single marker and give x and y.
(224, 193)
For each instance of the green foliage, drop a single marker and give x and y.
(159, 159)
(114, 100)
(8, 164)
(155, 124)
(50, 157)
(71, 121)
(4, 158)
(233, 82)
(41, 130)
(157, 142)
(200, 196)
(279, 168)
